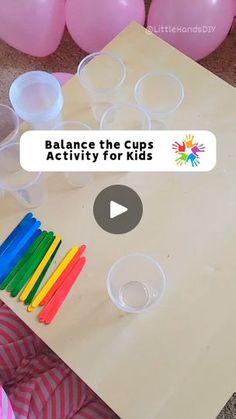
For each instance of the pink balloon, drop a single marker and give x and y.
(63, 78)
(94, 23)
(32, 26)
(179, 22)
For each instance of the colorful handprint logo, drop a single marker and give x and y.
(188, 151)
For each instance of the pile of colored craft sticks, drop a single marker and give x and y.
(25, 257)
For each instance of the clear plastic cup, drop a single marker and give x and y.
(28, 188)
(37, 98)
(9, 125)
(135, 283)
(76, 179)
(160, 94)
(126, 117)
(101, 74)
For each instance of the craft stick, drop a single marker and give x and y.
(9, 260)
(39, 269)
(14, 232)
(50, 311)
(18, 236)
(64, 275)
(25, 271)
(23, 261)
(40, 280)
(53, 278)
(32, 265)
(63, 279)
(13, 245)
(23, 251)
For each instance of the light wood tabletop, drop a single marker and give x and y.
(177, 360)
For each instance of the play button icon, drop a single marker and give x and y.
(118, 209)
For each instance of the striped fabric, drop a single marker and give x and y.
(39, 385)
(6, 411)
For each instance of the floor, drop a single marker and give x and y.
(12, 63)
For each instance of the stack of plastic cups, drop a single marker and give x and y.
(38, 99)
(28, 188)
(76, 179)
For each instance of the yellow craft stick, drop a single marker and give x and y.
(40, 268)
(53, 279)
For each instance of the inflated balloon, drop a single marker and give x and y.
(194, 27)
(34, 27)
(63, 78)
(94, 23)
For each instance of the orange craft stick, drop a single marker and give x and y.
(50, 311)
(63, 276)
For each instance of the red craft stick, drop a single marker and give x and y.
(63, 276)
(50, 311)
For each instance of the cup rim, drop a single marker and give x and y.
(23, 187)
(17, 128)
(123, 259)
(26, 79)
(160, 73)
(87, 86)
(128, 105)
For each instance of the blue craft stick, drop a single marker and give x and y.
(9, 260)
(16, 257)
(14, 233)
(9, 280)
(19, 256)
(18, 236)
(16, 246)
(21, 233)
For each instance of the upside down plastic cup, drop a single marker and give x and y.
(135, 283)
(9, 125)
(76, 179)
(101, 74)
(160, 94)
(28, 188)
(37, 98)
(125, 117)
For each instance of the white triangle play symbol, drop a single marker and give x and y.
(116, 209)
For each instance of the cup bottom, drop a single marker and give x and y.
(134, 295)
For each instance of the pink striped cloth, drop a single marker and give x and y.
(6, 411)
(38, 384)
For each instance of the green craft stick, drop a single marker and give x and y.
(32, 293)
(31, 267)
(23, 261)
(12, 284)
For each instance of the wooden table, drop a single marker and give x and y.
(178, 360)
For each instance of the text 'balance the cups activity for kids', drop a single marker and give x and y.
(110, 151)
